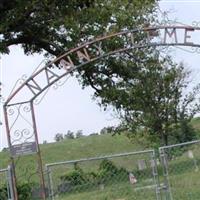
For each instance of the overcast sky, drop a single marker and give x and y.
(70, 107)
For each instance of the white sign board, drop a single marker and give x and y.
(23, 149)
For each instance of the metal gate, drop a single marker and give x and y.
(6, 188)
(181, 171)
(128, 176)
(174, 174)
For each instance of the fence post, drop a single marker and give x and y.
(155, 175)
(50, 183)
(10, 184)
(164, 162)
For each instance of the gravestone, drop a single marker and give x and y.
(142, 165)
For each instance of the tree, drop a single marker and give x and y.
(45, 142)
(69, 135)
(58, 137)
(55, 26)
(156, 103)
(79, 134)
(94, 134)
(107, 130)
(103, 131)
(37, 24)
(131, 82)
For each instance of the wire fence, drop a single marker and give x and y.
(171, 174)
(5, 184)
(181, 171)
(117, 177)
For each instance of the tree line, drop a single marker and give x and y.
(78, 134)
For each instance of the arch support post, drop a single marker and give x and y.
(13, 177)
(40, 167)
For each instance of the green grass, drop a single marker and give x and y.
(124, 191)
(94, 146)
(84, 147)
(183, 176)
(196, 125)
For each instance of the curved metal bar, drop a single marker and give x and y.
(83, 52)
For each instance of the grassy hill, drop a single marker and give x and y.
(71, 149)
(196, 124)
(100, 145)
(92, 146)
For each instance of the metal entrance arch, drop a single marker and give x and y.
(23, 139)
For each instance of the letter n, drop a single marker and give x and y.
(66, 64)
(84, 55)
(33, 87)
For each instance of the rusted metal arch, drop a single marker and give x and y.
(78, 57)
(83, 52)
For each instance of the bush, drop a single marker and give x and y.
(24, 191)
(108, 171)
(80, 180)
(75, 178)
(183, 132)
(3, 192)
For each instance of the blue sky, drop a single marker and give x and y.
(70, 107)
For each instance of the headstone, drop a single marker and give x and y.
(158, 162)
(190, 154)
(142, 165)
(152, 163)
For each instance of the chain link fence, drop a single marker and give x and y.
(173, 175)
(6, 192)
(129, 176)
(181, 171)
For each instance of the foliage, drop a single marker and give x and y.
(79, 134)
(107, 130)
(3, 192)
(58, 137)
(69, 135)
(24, 191)
(106, 173)
(55, 26)
(93, 134)
(145, 89)
(155, 104)
(183, 132)
(45, 142)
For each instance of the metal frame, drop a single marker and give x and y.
(151, 156)
(165, 165)
(70, 61)
(9, 183)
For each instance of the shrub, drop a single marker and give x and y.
(3, 192)
(24, 191)
(80, 180)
